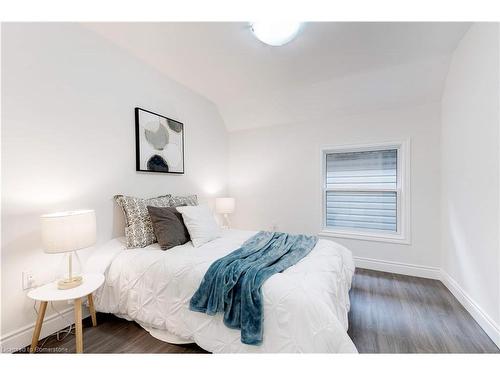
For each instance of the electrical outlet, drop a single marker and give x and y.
(28, 280)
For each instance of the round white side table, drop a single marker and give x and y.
(49, 292)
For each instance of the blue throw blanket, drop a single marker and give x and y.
(232, 284)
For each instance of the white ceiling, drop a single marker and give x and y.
(330, 68)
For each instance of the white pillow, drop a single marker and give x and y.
(200, 223)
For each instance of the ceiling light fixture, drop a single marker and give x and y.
(276, 33)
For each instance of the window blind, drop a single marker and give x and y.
(361, 190)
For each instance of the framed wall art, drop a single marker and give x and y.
(159, 143)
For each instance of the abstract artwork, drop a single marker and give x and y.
(159, 143)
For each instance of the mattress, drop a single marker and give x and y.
(305, 307)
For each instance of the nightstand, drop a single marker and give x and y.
(49, 292)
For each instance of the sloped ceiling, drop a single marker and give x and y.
(330, 68)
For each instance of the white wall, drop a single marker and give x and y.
(470, 170)
(68, 99)
(275, 176)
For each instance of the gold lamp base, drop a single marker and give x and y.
(69, 283)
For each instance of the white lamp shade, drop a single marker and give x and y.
(224, 205)
(68, 231)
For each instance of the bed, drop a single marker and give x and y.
(305, 307)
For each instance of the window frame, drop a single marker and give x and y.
(402, 235)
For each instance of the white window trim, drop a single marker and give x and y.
(403, 235)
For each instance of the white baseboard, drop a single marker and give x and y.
(400, 268)
(20, 338)
(491, 328)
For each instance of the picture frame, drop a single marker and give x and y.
(159, 143)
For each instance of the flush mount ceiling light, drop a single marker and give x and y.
(275, 33)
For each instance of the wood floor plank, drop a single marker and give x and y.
(389, 314)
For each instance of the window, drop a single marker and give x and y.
(364, 192)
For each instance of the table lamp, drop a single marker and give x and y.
(225, 206)
(66, 232)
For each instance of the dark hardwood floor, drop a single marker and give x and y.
(389, 314)
(400, 314)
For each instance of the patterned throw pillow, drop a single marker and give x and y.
(188, 200)
(138, 227)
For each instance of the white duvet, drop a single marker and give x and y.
(305, 307)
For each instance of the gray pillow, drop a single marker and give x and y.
(168, 227)
(138, 228)
(187, 200)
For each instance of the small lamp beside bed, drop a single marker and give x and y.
(225, 206)
(66, 232)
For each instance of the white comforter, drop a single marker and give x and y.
(305, 307)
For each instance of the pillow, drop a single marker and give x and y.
(188, 200)
(168, 227)
(200, 223)
(138, 228)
